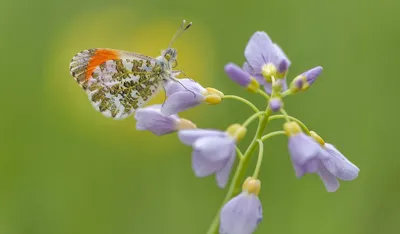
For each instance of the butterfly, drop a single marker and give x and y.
(118, 82)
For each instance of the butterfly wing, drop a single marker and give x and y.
(117, 82)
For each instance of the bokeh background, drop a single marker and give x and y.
(65, 169)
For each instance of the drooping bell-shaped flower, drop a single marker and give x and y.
(214, 151)
(150, 118)
(243, 213)
(183, 94)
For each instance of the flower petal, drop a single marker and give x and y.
(181, 101)
(202, 167)
(184, 84)
(337, 164)
(214, 148)
(280, 59)
(258, 50)
(237, 74)
(150, 118)
(188, 137)
(241, 215)
(330, 181)
(303, 148)
(222, 175)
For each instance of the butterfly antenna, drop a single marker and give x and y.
(180, 31)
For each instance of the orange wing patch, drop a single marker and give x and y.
(100, 56)
(85, 62)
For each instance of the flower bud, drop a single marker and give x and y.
(292, 128)
(212, 96)
(305, 80)
(237, 131)
(251, 186)
(275, 104)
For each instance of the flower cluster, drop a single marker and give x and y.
(215, 151)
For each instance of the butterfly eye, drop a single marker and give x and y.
(167, 57)
(174, 64)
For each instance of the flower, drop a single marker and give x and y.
(310, 154)
(214, 151)
(305, 80)
(265, 60)
(241, 77)
(243, 213)
(183, 94)
(151, 119)
(332, 165)
(302, 148)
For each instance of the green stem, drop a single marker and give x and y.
(259, 159)
(286, 93)
(252, 118)
(291, 118)
(245, 101)
(272, 134)
(239, 153)
(285, 114)
(240, 170)
(264, 94)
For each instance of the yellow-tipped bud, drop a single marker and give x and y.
(253, 85)
(212, 96)
(292, 128)
(215, 91)
(212, 99)
(185, 124)
(317, 138)
(237, 131)
(252, 185)
(268, 71)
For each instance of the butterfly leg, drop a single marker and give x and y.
(177, 80)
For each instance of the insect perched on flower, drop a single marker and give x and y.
(119, 82)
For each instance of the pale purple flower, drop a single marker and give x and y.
(242, 214)
(334, 165)
(213, 152)
(237, 74)
(182, 95)
(303, 152)
(313, 155)
(261, 51)
(150, 118)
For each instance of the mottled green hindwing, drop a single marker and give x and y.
(118, 87)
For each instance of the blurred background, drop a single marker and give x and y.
(65, 169)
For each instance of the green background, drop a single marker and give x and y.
(65, 169)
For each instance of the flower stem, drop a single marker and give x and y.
(287, 93)
(272, 134)
(239, 153)
(240, 170)
(285, 114)
(252, 118)
(291, 118)
(259, 159)
(264, 94)
(245, 101)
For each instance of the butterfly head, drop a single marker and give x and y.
(170, 55)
